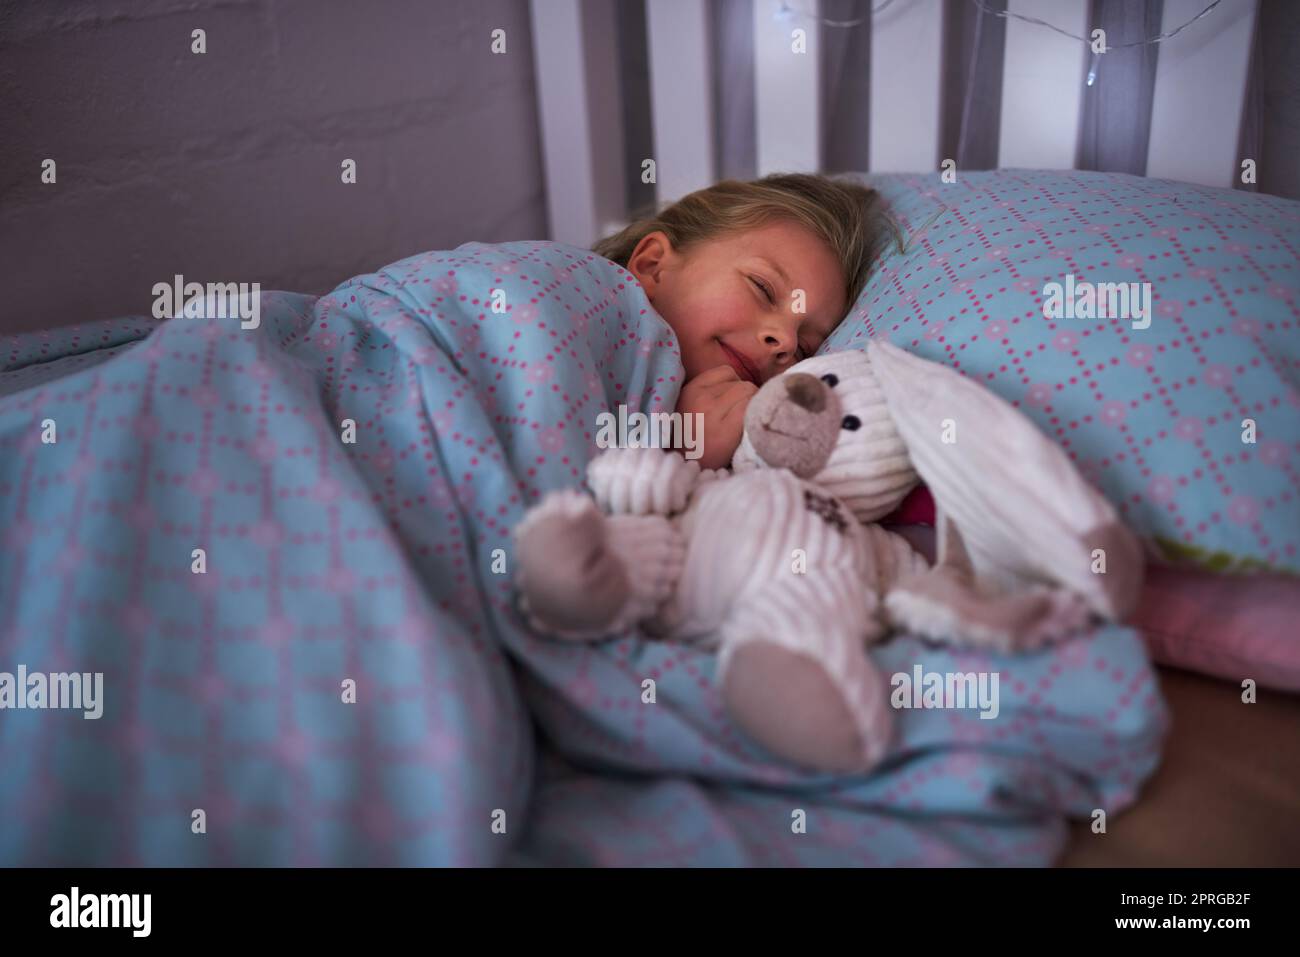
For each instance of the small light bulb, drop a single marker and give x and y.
(1092, 69)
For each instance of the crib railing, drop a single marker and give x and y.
(1196, 115)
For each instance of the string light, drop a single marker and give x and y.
(1095, 63)
(1092, 67)
(985, 8)
(786, 12)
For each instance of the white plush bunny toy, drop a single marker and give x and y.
(781, 567)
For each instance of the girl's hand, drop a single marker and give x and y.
(721, 396)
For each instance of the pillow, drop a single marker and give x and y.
(1181, 405)
(1229, 628)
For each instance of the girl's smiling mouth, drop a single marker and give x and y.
(743, 365)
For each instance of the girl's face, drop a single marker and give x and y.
(758, 300)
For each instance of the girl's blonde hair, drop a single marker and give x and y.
(849, 217)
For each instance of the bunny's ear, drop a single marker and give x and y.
(1024, 511)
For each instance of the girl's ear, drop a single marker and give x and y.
(648, 260)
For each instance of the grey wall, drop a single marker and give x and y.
(225, 166)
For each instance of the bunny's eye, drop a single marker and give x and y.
(851, 422)
(832, 380)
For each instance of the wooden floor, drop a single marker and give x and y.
(1227, 793)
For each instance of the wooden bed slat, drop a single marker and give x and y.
(787, 94)
(575, 53)
(681, 95)
(1200, 92)
(906, 74)
(1042, 85)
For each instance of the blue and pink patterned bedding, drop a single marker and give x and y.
(309, 650)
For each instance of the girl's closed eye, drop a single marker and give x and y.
(802, 351)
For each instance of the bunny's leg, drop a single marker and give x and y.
(796, 677)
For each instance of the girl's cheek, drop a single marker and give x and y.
(721, 314)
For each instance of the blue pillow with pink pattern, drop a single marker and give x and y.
(1152, 328)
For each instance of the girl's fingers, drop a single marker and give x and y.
(715, 376)
(709, 382)
(737, 394)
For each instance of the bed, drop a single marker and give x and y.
(312, 642)
(287, 548)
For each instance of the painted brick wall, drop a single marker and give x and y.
(225, 166)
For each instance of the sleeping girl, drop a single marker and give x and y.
(752, 277)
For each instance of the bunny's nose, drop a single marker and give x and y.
(805, 391)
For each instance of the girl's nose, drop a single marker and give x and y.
(779, 341)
